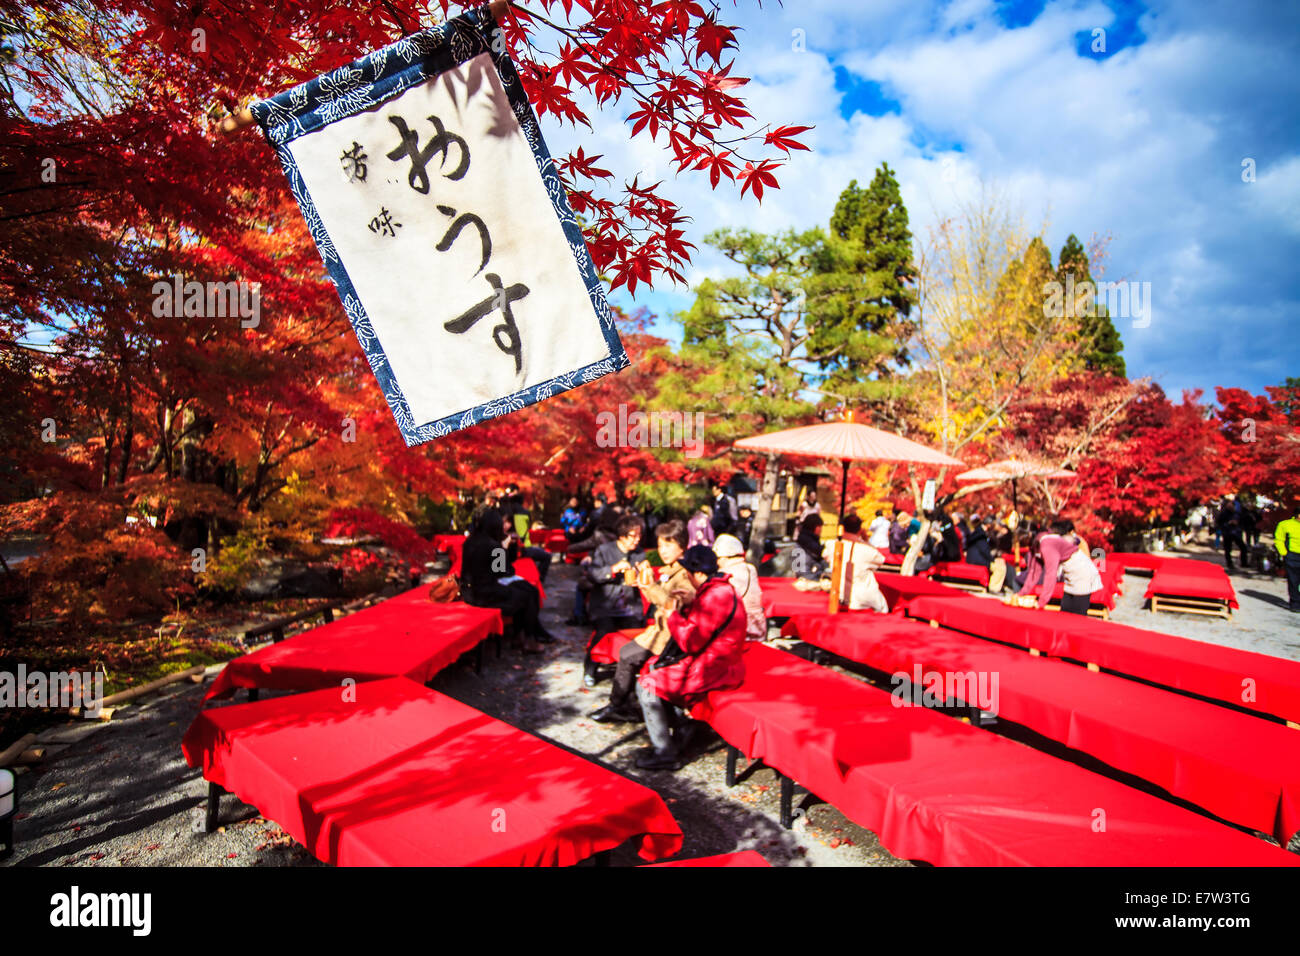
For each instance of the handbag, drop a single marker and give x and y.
(674, 653)
(444, 590)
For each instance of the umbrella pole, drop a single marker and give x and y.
(844, 490)
(1016, 534)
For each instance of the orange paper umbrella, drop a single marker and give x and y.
(846, 441)
(1012, 470)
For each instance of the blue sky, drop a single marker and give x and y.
(1142, 140)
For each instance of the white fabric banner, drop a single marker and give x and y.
(439, 214)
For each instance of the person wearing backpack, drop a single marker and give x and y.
(705, 654)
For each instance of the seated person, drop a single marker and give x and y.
(572, 520)
(744, 578)
(488, 580)
(862, 559)
(979, 549)
(806, 558)
(673, 590)
(942, 544)
(614, 602)
(705, 654)
(900, 533)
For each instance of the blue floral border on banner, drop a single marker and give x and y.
(363, 85)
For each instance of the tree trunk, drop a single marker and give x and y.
(763, 517)
(107, 474)
(128, 439)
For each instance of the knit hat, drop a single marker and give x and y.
(700, 559)
(728, 546)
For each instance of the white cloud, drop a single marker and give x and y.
(1144, 146)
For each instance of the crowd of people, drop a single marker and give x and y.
(1022, 556)
(694, 599)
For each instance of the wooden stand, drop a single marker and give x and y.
(1211, 607)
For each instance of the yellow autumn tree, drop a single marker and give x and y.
(989, 326)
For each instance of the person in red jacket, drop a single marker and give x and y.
(706, 653)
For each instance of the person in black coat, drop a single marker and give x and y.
(949, 548)
(806, 558)
(1230, 524)
(488, 580)
(613, 604)
(979, 550)
(724, 512)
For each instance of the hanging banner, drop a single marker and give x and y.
(927, 496)
(422, 175)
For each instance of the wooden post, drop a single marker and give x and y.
(837, 564)
(14, 751)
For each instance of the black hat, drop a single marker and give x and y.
(700, 559)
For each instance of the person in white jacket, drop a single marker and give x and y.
(862, 559)
(878, 532)
(744, 578)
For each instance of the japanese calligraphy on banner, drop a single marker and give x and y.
(423, 177)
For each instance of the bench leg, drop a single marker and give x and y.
(733, 755)
(787, 802)
(214, 805)
(478, 658)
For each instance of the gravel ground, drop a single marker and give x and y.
(1263, 623)
(119, 793)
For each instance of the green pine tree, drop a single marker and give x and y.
(861, 294)
(1100, 340)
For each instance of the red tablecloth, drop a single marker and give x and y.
(961, 571)
(607, 648)
(526, 568)
(404, 776)
(782, 599)
(407, 636)
(1259, 682)
(1181, 581)
(935, 789)
(1103, 598)
(899, 591)
(1239, 767)
(453, 544)
(1144, 561)
(743, 858)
